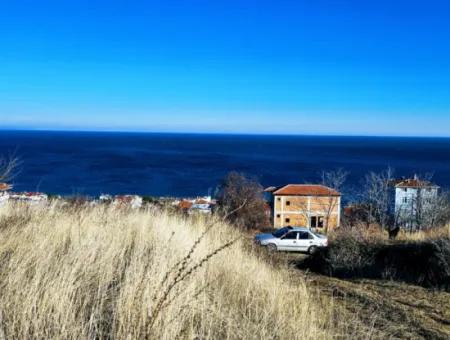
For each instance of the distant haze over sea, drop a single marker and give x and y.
(92, 163)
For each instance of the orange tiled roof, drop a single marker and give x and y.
(414, 183)
(5, 187)
(306, 190)
(185, 205)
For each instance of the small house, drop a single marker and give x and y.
(413, 196)
(307, 205)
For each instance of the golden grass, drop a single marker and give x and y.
(431, 234)
(375, 234)
(96, 272)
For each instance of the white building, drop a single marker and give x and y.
(132, 201)
(4, 194)
(412, 197)
(29, 197)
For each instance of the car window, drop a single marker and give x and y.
(304, 235)
(318, 235)
(291, 236)
(281, 232)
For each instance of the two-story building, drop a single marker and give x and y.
(413, 196)
(307, 205)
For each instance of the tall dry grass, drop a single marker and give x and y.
(429, 234)
(96, 272)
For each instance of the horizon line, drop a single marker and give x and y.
(301, 134)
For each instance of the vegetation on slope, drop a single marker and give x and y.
(423, 258)
(95, 272)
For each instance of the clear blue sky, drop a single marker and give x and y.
(316, 67)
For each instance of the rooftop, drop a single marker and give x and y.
(5, 187)
(414, 183)
(304, 190)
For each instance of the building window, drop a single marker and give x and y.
(288, 202)
(278, 215)
(320, 222)
(316, 221)
(405, 189)
(288, 220)
(405, 199)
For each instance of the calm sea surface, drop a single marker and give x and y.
(192, 164)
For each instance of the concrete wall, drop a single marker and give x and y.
(298, 210)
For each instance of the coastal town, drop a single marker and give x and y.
(313, 206)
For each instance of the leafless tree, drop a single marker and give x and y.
(243, 197)
(8, 168)
(427, 211)
(335, 180)
(437, 212)
(377, 195)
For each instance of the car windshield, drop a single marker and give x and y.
(281, 232)
(318, 235)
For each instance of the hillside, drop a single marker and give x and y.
(97, 272)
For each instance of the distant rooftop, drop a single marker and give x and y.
(5, 187)
(303, 190)
(414, 183)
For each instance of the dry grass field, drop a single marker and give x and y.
(96, 272)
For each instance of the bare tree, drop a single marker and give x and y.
(377, 196)
(437, 213)
(334, 180)
(241, 199)
(8, 168)
(427, 211)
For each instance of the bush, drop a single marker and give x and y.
(353, 255)
(241, 200)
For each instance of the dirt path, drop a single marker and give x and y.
(392, 309)
(386, 309)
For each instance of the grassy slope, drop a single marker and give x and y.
(74, 273)
(103, 273)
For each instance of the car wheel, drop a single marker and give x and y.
(312, 250)
(271, 247)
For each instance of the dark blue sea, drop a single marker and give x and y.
(91, 163)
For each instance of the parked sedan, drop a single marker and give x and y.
(292, 239)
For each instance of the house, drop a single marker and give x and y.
(202, 205)
(307, 205)
(29, 197)
(131, 201)
(413, 196)
(4, 194)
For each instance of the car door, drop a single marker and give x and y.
(305, 240)
(288, 242)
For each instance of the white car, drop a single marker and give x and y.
(292, 239)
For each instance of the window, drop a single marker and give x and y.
(281, 232)
(288, 220)
(290, 236)
(405, 189)
(316, 221)
(405, 199)
(278, 215)
(320, 222)
(288, 202)
(304, 235)
(279, 198)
